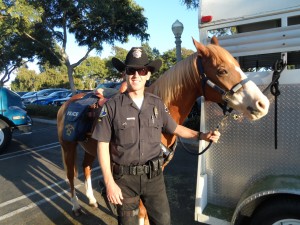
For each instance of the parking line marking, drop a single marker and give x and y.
(30, 151)
(35, 204)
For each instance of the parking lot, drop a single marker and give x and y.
(34, 188)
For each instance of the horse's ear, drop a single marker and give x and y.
(201, 49)
(214, 40)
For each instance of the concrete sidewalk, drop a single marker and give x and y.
(44, 120)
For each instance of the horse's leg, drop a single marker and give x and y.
(87, 168)
(143, 216)
(69, 159)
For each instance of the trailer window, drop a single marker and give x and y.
(265, 62)
(293, 20)
(227, 31)
(293, 60)
(260, 62)
(255, 63)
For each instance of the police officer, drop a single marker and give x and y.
(128, 134)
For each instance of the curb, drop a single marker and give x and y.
(47, 121)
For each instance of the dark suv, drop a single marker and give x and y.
(12, 116)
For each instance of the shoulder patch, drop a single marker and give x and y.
(103, 112)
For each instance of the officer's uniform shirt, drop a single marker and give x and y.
(134, 134)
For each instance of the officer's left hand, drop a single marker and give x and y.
(211, 136)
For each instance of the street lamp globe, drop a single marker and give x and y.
(177, 28)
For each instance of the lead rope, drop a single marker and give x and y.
(220, 124)
(279, 66)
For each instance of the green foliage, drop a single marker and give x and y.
(44, 111)
(191, 4)
(17, 24)
(89, 73)
(40, 28)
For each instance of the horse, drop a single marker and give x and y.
(211, 72)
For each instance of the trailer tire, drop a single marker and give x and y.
(281, 210)
(5, 136)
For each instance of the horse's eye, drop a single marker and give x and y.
(222, 72)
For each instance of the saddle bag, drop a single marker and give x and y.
(77, 121)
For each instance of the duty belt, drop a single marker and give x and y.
(152, 168)
(131, 170)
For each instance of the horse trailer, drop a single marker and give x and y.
(252, 176)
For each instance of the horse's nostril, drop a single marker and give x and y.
(262, 105)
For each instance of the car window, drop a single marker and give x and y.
(29, 93)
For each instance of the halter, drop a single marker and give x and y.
(225, 94)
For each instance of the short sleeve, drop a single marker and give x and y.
(169, 124)
(103, 128)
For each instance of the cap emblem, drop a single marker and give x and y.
(137, 53)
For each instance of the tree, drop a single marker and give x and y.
(169, 58)
(91, 22)
(191, 4)
(92, 71)
(25, 81)
(15, 48)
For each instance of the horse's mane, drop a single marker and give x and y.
(183, 74)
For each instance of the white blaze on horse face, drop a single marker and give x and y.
(250, 100)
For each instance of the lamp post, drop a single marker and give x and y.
(177, 28)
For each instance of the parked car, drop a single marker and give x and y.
(48, 100)
(28, 94)
(12, 116)
(60, 101)
(21, 93)
(109, 85)
(42, 93)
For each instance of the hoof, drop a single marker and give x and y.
(77, 212)
(94, 205)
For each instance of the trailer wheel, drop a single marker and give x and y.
(5, 136)
(281, 211)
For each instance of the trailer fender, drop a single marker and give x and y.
(263, 190)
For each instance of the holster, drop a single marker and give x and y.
(155, 166)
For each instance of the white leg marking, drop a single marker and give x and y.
(75, 203)
(89, 191)
(141, 221)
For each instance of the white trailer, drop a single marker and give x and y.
(252, 176)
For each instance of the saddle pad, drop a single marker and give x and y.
(77, 123)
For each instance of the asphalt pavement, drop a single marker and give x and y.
(38, 170)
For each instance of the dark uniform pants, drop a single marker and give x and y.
(153, 194)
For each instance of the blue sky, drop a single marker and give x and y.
(161, 15)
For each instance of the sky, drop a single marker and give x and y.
(161, 15)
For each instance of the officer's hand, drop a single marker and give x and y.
(211, 136)
(114, 193)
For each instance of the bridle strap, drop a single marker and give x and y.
(206, 81)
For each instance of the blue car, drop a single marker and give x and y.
(48, 100)
(28, 99)
(12, 116)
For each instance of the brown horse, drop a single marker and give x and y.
(211, 71)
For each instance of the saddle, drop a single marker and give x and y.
(80, 117)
